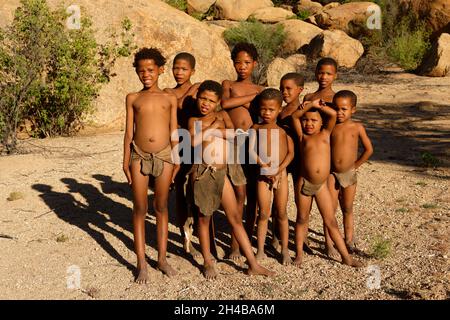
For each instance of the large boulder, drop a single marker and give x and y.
(239, 10)
(277, 69)
(219, 26)
(298, 61)
(298, 34)
(199, 6)
(157, 25)
(337, 45)
(351, 18)
(436, 13)
(437, 62)
(309, 6)
(271, 14)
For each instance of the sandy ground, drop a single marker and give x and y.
(75, 216)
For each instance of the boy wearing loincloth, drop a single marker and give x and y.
(209, 180)
(345, 161)
(273, 157)
(314, 171)
(151, 118)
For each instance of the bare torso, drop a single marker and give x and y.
(280, 145)
(344, 146)
(151, 114)
(214, 149)
(326, 95)
(240, 116)
(315, 160)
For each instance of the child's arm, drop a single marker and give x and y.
(331, 113)
(215, 130)
(192, 92)
(196, 136)
(174, 139)
(128, 136)
(252, 146)
(289, 156)
(231, 103)
(367, 144)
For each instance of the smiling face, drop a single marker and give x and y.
(269, 110)
(290, 90)
(344, 109)
(207, 102)
(311, 122)
(182, 71)
(325, 75)
(148, 72)
(244, 65)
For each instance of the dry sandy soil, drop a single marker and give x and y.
(75, 210)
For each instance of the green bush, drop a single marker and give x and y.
(266, 38)
(50, 74)
(409, 43)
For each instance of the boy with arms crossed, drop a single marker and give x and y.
(210, 181)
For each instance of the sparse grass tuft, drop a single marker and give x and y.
(62, 238)
(429, 206)
(402, 210)
(381, 248)
(430, 160)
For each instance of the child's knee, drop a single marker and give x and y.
(347, 210)
(263, 216)
(160, 205)
(302, 219)
(282, 217)
(140, 209)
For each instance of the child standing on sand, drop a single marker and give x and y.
(345, 161)
(210, 180)
(151, 118)
(314, 171)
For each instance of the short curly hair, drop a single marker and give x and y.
(151, 54)
(211, 85)
(248, 48)
(271, 94)
(348, 95)
(186, 56)
(297, 77)
(327, 61)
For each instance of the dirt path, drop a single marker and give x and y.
(75, 215)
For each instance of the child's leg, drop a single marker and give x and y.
(301, 225)
(346, 202)
(140, 208)
(275, 229)
(334, 192)
(280, 202)
(204, 238)
(230, 206)
(252, 207)
(162, 184)
(240, 192)
(324, 203)
(264, 198)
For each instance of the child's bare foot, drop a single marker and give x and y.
(194, 252)
(260, 271)
(286, 258)
(166, 268)
(260, 255)
(235, 255)
(353, 263)
(332, 252)
(209, 271)
(142, 276)
(275, 243)
(297, 261)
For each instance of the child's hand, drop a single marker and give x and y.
(176, 168)
(126, 170)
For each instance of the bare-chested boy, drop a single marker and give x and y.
(314, 171)
(183, 68)
(326, 73)
(238, 101)
(291, 86)
(151, 118)
(210, 179)
(273, 157)
(345, 161)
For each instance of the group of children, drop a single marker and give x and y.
(315, 141)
